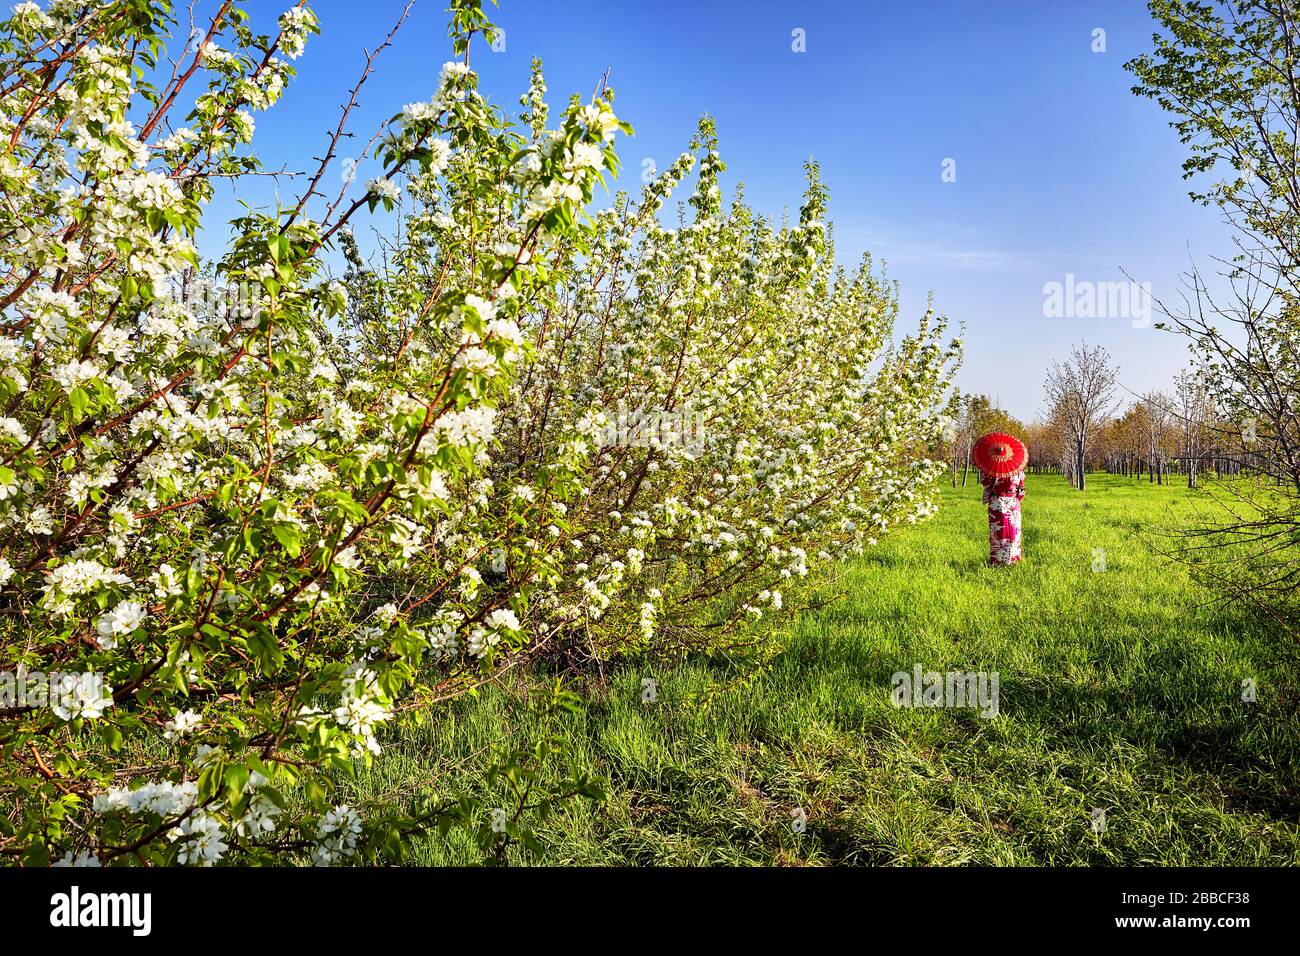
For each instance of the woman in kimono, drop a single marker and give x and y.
(1001, 460)
(1003, 495)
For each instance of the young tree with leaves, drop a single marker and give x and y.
(1229, 75)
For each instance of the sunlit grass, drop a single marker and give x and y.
(1120, 690)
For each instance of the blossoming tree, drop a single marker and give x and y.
(247, 529)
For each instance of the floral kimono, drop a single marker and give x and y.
(1003, 495)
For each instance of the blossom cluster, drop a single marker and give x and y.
(278, 521)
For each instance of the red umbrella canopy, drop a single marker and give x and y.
(999, 454)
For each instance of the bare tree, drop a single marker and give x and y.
(1194, 410)
(1081, 395)
(1158, 420)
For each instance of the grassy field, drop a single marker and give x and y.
(1120, 690)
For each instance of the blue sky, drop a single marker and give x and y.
(1059, 168)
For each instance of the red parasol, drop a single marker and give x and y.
(999, 454)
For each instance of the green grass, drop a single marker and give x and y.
(1119, 690)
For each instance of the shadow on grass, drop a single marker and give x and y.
(1248, 750)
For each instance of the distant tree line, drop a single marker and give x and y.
(1158, 436)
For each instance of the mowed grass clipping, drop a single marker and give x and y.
(1120, 690)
